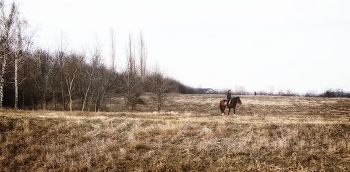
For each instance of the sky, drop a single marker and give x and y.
(299, 45)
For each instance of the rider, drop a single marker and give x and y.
(228, 97)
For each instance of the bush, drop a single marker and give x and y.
(335, 93)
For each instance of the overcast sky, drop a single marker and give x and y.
(301, 45)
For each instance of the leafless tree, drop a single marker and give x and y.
(17, 56)
(8, 31)
(113, 48)
(96, 80)
(142, 55)
(161, 86)
(103, 83)
(99, 79)
(23, 47)
(240, 90)
(13, 46)
(131, 85)
(60, 58)
(88, 75)
(44, 71)
(71, 71)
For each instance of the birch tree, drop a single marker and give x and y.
(71, 71)
(22, 48)
(14, 44)
(91, 72)
(88, 75)
(7, 29)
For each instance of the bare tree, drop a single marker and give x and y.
(113, 48)
(18, 53)
(131, 85)
(161, 86)
(60, 56)
(23, 46)
(71, 70)
(103, 81)
(44, 71)
(8, 30)
(13, 45)
(98, 80)
(99, 77)
(240, 90)
(142, 55)
(131, 57)
(89, 74)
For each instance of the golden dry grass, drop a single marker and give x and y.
(267, 134)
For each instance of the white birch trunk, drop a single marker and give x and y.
(87, 91)
(2, 80)
(70, 88)
(16, 83)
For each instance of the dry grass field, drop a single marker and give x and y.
(267, 133)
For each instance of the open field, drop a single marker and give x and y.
(267, 133)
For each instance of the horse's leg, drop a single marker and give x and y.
(222, 110)
(234, 111)
(229, 109)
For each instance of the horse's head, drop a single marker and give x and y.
(239, 101)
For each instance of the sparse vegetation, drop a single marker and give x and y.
(270, 133)
(167, 132)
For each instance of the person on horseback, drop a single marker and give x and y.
(228, 97)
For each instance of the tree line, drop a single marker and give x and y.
(34, 78)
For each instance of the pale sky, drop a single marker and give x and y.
(300, 45)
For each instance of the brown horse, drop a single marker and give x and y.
(232, 104)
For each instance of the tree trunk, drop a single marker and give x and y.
(70, 95)
(103, 95)
(70, 102)
(43, 102)
(96, 102)
(92, 95)
(32, 101)
(16, 83)
(53, 100)
(2, 81)
(86, 94)
(63, 97)
(22, 100)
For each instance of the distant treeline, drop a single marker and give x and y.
(330, 93)
(34, 78)
(59, 78)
